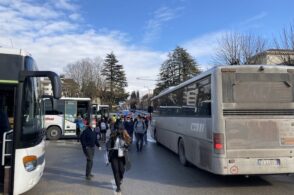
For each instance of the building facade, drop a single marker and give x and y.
(274, 57)
(46, 87)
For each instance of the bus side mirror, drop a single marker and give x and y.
(54, 78)
(150, 109)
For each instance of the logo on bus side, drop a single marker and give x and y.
(49, 119)
(198, 127)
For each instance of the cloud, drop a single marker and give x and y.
(75, 16)
(55, 39)
(65, 5)
(156, 23)
(29, 10)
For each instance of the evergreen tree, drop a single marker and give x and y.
(179, 67)
(116, 79)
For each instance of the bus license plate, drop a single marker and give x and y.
(268, 162)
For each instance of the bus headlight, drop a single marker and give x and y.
(30, 163)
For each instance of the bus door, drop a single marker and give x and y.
(24, 146)
(7, 102)
(84, 109)
(94, 110)
(70, 115)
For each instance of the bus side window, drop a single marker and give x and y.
(205, 108)
(204, 99)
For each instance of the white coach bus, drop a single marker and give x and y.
(60, 121)
(230, 120)
(22, 145)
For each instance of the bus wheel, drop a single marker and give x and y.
(155, 137)
(53, 133)
(181, 150)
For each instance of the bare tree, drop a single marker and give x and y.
(285, 45)
(86, 73)
(236, 48)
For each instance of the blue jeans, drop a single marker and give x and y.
(139, 138)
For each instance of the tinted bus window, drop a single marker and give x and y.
(191, 100)
(31, 123)
(58, 107)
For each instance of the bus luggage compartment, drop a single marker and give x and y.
(259, 137)
(259, 146)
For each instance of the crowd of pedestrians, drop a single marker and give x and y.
(122, 129)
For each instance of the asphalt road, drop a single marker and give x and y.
(154, 171)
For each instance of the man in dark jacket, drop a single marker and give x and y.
(88, 141)
(129, 126)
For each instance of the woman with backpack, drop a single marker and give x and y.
(117, 154)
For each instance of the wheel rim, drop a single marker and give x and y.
(54, 133)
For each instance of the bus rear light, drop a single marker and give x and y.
(218, 143)
(30, 163)
(218, 146)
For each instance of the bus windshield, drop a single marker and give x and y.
(257, 87)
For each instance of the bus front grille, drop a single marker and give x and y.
(258, 112)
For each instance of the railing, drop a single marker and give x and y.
(5, 142)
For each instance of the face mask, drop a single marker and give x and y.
(93, 126)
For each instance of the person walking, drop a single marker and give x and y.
(140, 129)
(117, 154)
(103, 129)
(129, 127)
(88, 141)
(146, 121)
(118, 123)
(79, 126)
(111, 125)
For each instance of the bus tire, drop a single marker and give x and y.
(155, 137)
(181, 151)
(53, 133)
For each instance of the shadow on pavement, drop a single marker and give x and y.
(73, 178)
(163, 166)
(154, 164)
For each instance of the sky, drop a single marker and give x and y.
(139, 32)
